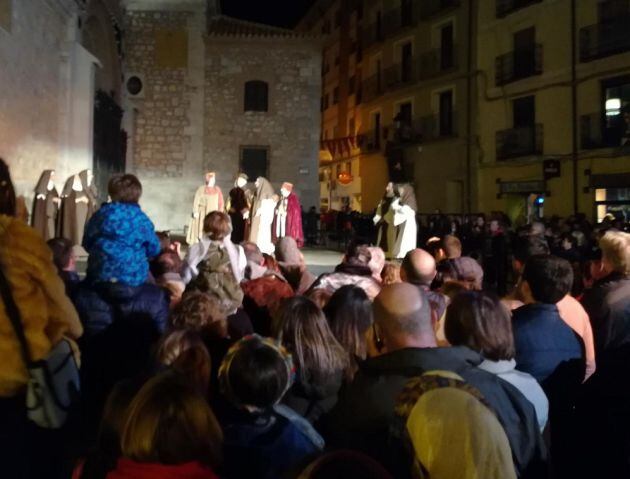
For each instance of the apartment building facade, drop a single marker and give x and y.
(554, 107)
(397, 101)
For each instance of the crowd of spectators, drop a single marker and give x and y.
(486, 353)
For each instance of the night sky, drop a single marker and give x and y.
(282, 13)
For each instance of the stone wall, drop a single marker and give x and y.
(165, 48)
(31, 98)
(291, 127)
(189, 118)
(47, 95)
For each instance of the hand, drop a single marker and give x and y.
(195, 215)
(41, 197)
(246, 215)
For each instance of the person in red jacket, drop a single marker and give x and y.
(170, 432)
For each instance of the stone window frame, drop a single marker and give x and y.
(254, 101)
(241, 79)
(241, 148)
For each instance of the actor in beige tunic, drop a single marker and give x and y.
(208, 198)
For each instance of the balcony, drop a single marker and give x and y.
(505, 7)
(400, 75)
(425, 129)
(431, 8)
(372, 88)
(520, 141)
(437, 62)
(518, 64)
(605, 39)
(599, 131)
(371, 35)
(372, 140)
(398, 19)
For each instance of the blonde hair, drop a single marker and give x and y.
(168, 422)
(391, 273)
(615, 246)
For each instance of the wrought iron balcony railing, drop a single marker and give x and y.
(430, 8)
(518, 64)
(372, 88)
(372, 140)
(398, 19)
(437, 62)
(372, 34)
(505, 7)
(520, 141)
(605, 39)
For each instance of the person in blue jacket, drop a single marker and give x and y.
(542, 339)
(120, 238)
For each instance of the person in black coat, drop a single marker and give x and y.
(403, 347)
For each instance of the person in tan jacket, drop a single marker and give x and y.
(47, 313)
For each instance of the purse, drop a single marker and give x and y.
(53, 386)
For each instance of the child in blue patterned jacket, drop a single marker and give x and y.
(120, 238)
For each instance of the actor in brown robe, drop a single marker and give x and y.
(76, 209)
(46, 206)
(238, 208)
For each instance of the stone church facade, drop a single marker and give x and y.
(191, 117)
(179, 74)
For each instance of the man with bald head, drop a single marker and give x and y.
(402, 346)
(419, 268)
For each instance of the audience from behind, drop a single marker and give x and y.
(263, 438)
(344, 464)
(419, 268)
(184, 351)
(102, 458)
(608, 301)
(264, 289)
(319, 358)
(377, 262)
(542, 340)
(165, 269)
(219, 272)
(349, 314)
(453, 430)
(47, 315)
(390, 273)
(292, 266)
(571, 311)
(119, 237)
(215, 243)
(355, 269)
(319, 296)
(66, 262)
(480, 322)
(404, 345)
(465, 271)
(452, 247)
(169, 431)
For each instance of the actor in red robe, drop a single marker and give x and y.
(294, 216)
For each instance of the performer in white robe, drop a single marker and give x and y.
(262, 214)
(405, 208)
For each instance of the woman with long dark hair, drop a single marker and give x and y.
(320, 360)
(349, 314)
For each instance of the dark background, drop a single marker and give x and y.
(281, 13)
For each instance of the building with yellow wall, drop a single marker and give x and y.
(554, 107)
(396, 92)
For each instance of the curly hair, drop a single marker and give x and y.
(199, 312)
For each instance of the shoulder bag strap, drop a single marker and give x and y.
(14, 316)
